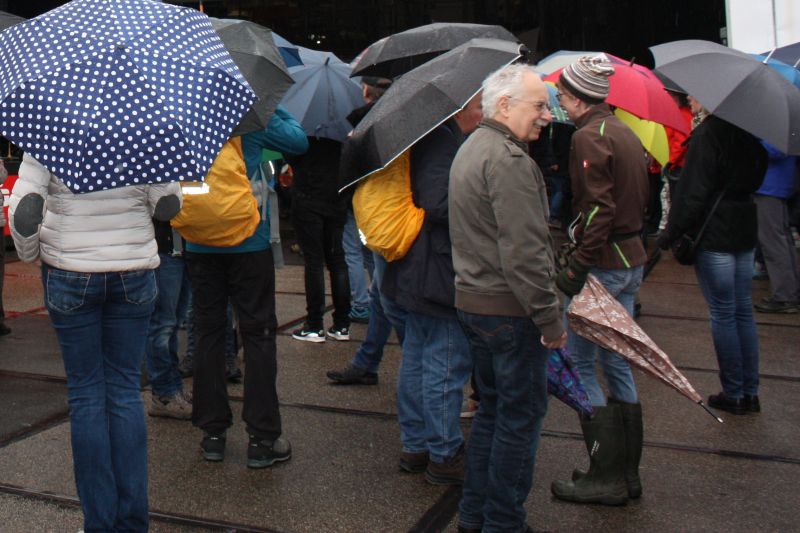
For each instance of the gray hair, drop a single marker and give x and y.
(506, 81)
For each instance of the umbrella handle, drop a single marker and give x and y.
(709, 411)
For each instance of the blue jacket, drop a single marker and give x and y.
(424, 280)
(283, 134)
(779, 179)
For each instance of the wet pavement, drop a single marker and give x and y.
(698, 475)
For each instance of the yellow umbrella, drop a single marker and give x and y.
(652, 135)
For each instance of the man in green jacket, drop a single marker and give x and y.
(608, 173)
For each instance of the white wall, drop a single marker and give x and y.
(760, 25)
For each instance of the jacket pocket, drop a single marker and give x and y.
(438, 282)
(66, 291)
(139, 286)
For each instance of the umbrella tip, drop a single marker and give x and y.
(769, 55)
(709, 411)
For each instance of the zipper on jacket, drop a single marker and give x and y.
(621, 255)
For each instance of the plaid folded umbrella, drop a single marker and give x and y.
(596, 315)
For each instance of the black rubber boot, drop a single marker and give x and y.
(605, 481)
(634, 435)
(632, 422)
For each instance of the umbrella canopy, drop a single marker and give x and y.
(736, 87)
(254, 52)
(564, 382)
(599, 317)
(637, 90)
(787, 71)
(397, 54)
(289, 52)
(323, 95)
(7, 20)
(558, 112)
(652, 134)
(789, 54)
(107, 94)
(424, 98)
(558, 60)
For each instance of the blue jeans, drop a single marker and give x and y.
(623, 284)
(726, 282)
(435, 367)
(99, 319)
(511, 373)
(354, 257)
(370, 353)
(162, 339)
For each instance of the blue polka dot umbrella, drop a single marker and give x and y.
(109, 93)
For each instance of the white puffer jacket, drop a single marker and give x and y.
(103, 231)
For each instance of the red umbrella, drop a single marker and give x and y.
(637, 90)
(599, 317)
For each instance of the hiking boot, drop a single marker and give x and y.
(264, 453)
(450, 472)
(213, 447)
(774, 306)
(186, 368)
(174, 406)
(339, 334)
(353, 375)
(359, 315)
(413, 463)
(723, 402)
(604, 483)
(309, 335)
(751, 403)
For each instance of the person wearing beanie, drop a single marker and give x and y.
(608, 173)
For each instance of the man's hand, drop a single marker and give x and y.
(571, 279)
(556, 343)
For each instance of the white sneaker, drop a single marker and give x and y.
(339, 334)
(308, 335)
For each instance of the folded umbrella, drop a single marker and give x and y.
(736, 87)
(564, 382)
(113, 93)
(596, 315)
(260, 62)
(323, 95)
(401, 52)
(418, 102)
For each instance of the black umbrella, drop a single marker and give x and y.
(419, 101)
(789, 54)
(736, 87)
(397, 54)
(7, 20)
(253, 50)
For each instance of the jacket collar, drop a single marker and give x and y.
(504, 131)
(598, 111)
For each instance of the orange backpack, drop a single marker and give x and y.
(227, 213)
(385, 212)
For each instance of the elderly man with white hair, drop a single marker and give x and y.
(505, 295)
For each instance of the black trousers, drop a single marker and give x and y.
(319, 233)
(248, 279)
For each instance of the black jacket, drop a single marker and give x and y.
(720, 157)
(424, 280)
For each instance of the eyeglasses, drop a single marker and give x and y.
(539, 106)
